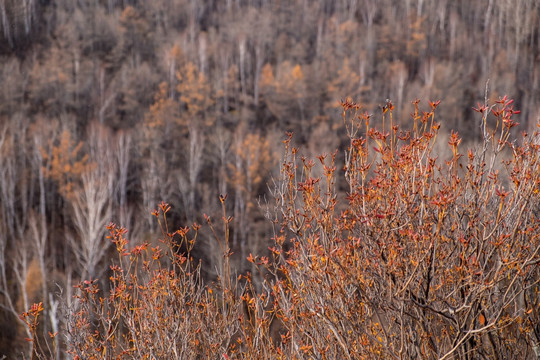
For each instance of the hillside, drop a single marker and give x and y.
(109, 107)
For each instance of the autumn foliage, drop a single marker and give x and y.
(110, 107)
(422, 255)
(425, 256)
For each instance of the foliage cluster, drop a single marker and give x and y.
(423, 257)
(108, 107)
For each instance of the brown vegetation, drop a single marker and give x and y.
(423, 258)
(109, 107)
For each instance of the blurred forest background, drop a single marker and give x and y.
(108, 107)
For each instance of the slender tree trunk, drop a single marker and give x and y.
(5, 23)
(242, 51)
(259, 62)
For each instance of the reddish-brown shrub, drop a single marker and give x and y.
(427, 257)
(423, 257)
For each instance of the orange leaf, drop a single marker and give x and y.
(482, 319)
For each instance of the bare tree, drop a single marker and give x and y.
(91, 203)
(15, 250)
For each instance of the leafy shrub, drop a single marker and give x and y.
(424, 257)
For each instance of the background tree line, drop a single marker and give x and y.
(109, 107)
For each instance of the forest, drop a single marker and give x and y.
(256, 143)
